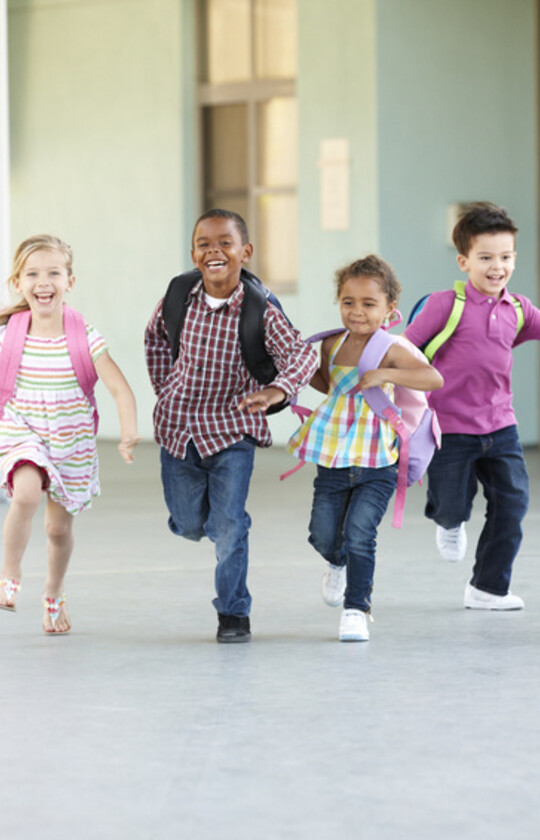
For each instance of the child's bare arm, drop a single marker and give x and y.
(117, 385)
(401, 367)
(321, 378)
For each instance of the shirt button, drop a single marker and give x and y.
(494, 316)
(490, 300)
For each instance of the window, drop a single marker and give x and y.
(247, 100)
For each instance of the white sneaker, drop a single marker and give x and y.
(333, 585)
(477, 599)
(353, 626)
(452, 542)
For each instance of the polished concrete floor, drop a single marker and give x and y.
(138, 726)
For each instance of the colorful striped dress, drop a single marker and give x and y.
(343, 431)
(49, 421)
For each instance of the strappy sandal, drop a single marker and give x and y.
(10, 587)
(53, 605)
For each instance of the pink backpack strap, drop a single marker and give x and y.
(11, 354)
(79, 353)
(383, 407)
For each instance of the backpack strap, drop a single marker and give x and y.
(251, 332)
(381, 405)
(79, 353)
(453, 320)
(251, 329)
(175, 304)
(455, 315)
(519, 312)
(11, 354)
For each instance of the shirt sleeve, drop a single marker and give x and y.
(431, 319)
(531, 322)
(295, 360)
(96, 343)
(157, 349)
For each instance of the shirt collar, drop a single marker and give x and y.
(233, 303)
(478, 297)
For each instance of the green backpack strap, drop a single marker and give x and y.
(457, 310)
(519, 312)
(453, 320)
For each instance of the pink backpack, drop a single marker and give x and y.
(415, 424)
(79, 352)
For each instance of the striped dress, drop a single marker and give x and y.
(343, 431)
(49, 421)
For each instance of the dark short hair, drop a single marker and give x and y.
(218, 213)
(371, 266)
(477, 218)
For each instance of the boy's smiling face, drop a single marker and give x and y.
(219, 253)
(490, 262)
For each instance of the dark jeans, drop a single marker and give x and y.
(207, 497)
(348, 505)
(496, 461)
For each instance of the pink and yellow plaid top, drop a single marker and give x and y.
(343, 431)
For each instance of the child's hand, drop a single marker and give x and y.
(372, 378)
(261, 400)
(126, 446)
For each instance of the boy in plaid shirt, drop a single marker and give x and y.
(210, 412)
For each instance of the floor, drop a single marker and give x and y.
(138, 726)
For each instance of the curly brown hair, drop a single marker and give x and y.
(371, 266)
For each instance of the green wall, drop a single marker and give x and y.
(96, 150)
(437, 100)
(457, 122)
(336, 98)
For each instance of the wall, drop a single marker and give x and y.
(457, 122)
(437, 100)
(96, 151)
(336, 98)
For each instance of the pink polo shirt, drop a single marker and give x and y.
(476, 362)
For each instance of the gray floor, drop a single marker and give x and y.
(138, 725)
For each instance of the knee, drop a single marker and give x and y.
(58, 531)
(322, 543)
(189, 532)
(26, 499)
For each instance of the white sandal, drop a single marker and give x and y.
(10, 587)
(52, 606)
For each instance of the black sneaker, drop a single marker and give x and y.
(233, 628)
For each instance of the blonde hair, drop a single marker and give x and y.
(41, 242)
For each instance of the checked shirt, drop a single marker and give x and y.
(198, 395)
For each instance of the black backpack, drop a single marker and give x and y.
(251, 325)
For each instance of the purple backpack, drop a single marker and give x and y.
(79, 352)
(415, 424)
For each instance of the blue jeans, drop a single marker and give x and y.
(496, 461)
(207, 497)
(348, 505)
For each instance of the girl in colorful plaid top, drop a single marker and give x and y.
(355, 451)
(47, 437)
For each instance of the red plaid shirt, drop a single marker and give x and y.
(198, 395)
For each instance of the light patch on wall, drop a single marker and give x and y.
(334, 168)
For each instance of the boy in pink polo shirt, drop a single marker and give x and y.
(480, 441)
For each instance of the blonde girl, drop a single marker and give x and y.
(47, 437)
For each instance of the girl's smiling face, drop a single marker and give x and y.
(44, 280)
(363, 305)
